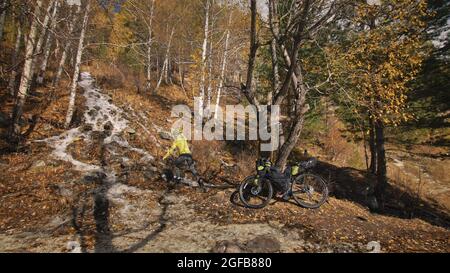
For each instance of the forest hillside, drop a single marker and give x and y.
(88, 90)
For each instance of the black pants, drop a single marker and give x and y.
(185, 162)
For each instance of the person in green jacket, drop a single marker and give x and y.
(184, 160)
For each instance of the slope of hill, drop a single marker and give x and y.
(97, 188)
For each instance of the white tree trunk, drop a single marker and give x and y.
(203, 64)
(223, 68)
(63, 59)
(14, 133)
(12, 79)
(165, 68)
(57, 48)
(169, 70)
(149, 47)
(73, 88)
(61, 65)
(181, 72)
(48, 45)
(209, 76)
(44, 27)
(161, 76)
(40, 42)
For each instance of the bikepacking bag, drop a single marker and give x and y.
(279, 180)
(261, 165)
(292, 171)
(295, 170)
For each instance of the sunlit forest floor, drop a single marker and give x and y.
(47, 205)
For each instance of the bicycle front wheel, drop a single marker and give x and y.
(255, 194)
(310, 191)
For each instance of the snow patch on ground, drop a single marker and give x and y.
(100, 112)
(60, 145)
(118, 190)
(102, 115)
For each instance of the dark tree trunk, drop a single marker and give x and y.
(380, 188)
(290, 143)
(373, 148)
(301, 108)
(247, 88)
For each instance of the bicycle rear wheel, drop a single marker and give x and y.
(255, 195)
(310, 191)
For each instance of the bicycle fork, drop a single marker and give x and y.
(257, 188)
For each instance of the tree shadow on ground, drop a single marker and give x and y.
(356, 186)
(162, 226)
(100, 212)
(103, 236)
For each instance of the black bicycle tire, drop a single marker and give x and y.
(241, 194)
(325, 194)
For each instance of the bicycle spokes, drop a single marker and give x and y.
(256, 195)
(256, 190)
(310, 191)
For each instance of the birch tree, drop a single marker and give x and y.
(224, 66)
(165, 67)
(210, 67)
(144, 11)
(149, 46)
(204, 56)
(15, 132)
(15, 55)
(73, 87)
(181, 74)
(40, 41)
(66, 48)
(48, 43)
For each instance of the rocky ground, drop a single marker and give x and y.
(97, 188)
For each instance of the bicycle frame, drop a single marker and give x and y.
(257, 183)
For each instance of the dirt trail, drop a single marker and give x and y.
(123, 205)
(149, 221)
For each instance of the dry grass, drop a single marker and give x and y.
(338, 150)
(405, 183)
(437, 169)
(111, 77)
(119, 78)
(30, 196)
